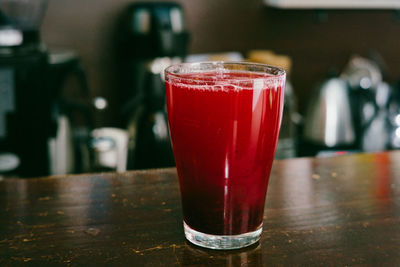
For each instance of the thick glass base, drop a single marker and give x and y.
(222, 241)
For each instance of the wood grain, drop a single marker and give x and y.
(341, 211)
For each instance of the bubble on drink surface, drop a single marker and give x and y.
(223, 86)
(227, 81)
(218, 87)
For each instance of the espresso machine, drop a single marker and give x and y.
(150, 37)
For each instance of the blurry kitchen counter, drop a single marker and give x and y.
(338, 211)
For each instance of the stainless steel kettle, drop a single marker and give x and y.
(328, 121)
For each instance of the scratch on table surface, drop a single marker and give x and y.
(24, 259)
(315, 176)
(177, 258)
(35, 226)
(20, 236)
(41, 225)
(159, 247)
(365, 224)
(92, 231)
(285, 233)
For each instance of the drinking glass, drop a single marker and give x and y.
(224, 120)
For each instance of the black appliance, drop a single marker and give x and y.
(31, 107)
(25, 123)
(150, 37)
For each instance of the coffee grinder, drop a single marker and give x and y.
(25, 100)
(150, 37)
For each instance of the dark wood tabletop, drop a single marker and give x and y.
(339, 211)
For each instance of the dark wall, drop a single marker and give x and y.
(316, 41)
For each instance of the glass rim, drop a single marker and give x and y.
(274, 71)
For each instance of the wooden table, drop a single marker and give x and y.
(329, 211)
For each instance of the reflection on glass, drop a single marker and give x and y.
(196, 256)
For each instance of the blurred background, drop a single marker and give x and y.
(102, 65)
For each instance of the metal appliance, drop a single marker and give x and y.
(329, 119)
(353, 112)
(35, 133)
(150, 36)
(25, 99)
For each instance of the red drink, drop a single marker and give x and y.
(224, 129)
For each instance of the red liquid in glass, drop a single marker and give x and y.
(224, 135)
